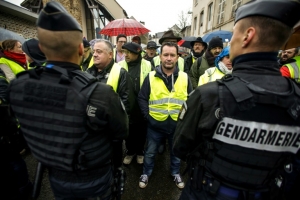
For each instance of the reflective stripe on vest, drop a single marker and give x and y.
(113, 77)
(15, 67)
(145, 69)
(180, 62)
(162, 102)
(294, 69)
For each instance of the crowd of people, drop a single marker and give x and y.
(230, 113)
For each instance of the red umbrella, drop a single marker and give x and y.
(124, 26)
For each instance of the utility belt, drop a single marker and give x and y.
(216, 188)
(80, 176)
(202, 179)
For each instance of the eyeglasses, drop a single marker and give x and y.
(152, 49)
(87, 50)
(121, 42)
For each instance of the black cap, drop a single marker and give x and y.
(198, 39)
(32, 49)
(132, 47)
(286, 11)
(55, 17)
(152, 44)
(85, 43)
(215, 42)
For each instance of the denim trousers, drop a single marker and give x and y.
(153, 140)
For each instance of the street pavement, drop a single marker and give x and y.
(160, 187)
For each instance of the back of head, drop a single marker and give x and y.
(272, 19)
(137, 39)
(32, 49)
(59, 33)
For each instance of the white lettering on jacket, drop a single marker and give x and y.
(257, 135)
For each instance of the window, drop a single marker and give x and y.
(209, 16)
(201, 22)
(195, 24)
(221, 11)
(235, 5)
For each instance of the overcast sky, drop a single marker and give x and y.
(158, 15)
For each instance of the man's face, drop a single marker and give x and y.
(216, 51)
(101, 55)
(198, 47)
(168, 57)
(287, 54)
(151, 52)
(121, 42)
(129, 56)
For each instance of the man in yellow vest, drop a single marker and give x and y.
(107, 71)
(292, 69)
(168, 36)
(160, 98)
(138, 68)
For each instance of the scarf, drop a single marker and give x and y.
(210, 58)
(19, 58)
(222, 67)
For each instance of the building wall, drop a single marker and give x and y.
(24, 27)
(226, 23)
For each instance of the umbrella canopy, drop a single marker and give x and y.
(294, 40)
(222, 34)
(185, 41)
(6, 34)
(124, 26)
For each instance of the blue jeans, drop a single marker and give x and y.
(153, 141)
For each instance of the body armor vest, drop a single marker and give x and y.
(257, 132)
(52, 113)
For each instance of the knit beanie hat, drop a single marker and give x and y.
(215, 42)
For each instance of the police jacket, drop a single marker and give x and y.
(242, 140)
(168, 125)
(123, 83)
(67, 117)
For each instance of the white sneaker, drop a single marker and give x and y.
(178, 181)
(143, 181)
(140, 159)
(128, 158)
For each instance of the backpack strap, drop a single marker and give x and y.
(199, 62)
